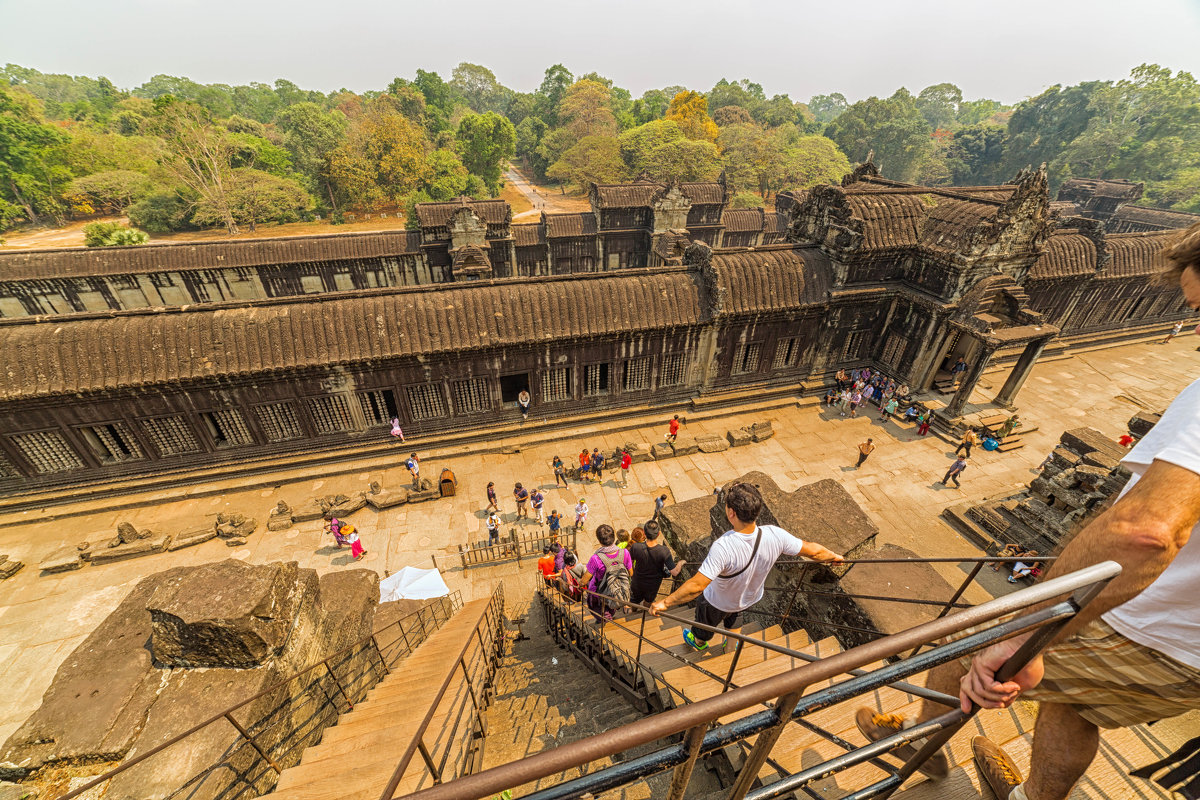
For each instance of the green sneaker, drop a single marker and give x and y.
(691, 641)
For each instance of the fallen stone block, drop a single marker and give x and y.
(1089, 440)
(278, 523)
(662, 450)
(235, 541)
(348, 506)
(1101, 461)
(712, 444)
(64, 559)
(1141, 423)
(8, 567)
(387, 498)
(761, 431)
(639, 453)
(141, 547)
(685, 446)
(16, 791)
(739, 436)
(192, 537)
(423, 495)
(307, 512)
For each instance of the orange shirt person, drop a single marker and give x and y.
(545, 565)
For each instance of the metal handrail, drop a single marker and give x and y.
(490, 616)
(455, 601)
(787, 686)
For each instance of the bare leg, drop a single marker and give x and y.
(1064, 745)
(945, 679)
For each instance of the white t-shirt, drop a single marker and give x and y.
(1165, 616)
(730, 553)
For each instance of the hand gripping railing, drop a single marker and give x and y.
(428, 614)
(786, 689)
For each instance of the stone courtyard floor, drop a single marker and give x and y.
(43, 618)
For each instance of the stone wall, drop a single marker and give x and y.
(184, 645)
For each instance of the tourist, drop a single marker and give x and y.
(554, 523)
(560, 472)
(865, 449)
(855, 400)
(626, 463)
(521, 495)
(572, 577)
(413, 465)
(523, 401)
(607, 573)
(357, 551)
(585, 465)
(911, 413)
(537, 499)
(969, 440)
(923, 422)
(334, 526)
(889, 408)
(397, 433)
(1008, 426)
(545, 566)
(1132, 655)
(958, 370)
(493, 526)
(1023, 570)
(673, 429)
(652, 564)
(841, 380)
(637, 535)
(955, 470)
(844, 402)
(660, 502)
(732, 576)
(1009, 551)
(623, 539)
(1174, 332)
(581, 512)
(493, 503)
(903, 393)
(560, 553)
(598, 465)
(830, 397)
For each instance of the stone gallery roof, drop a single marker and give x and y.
(134, 349)
(896, 218)
(583, 224)
(644, 193)
(493, 212)
(81, 262)
(741, 220)
(775, 278)
(1070, 254)
(1067, 254)
(1135, 254)
(1081, 189)
(1160, 218)
(527, 235)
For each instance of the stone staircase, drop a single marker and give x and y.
(356, 757)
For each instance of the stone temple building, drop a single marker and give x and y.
(154, 359)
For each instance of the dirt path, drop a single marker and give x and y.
(542, 198)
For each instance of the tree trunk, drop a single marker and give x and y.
(33, 217)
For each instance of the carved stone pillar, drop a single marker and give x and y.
(1020, 371)
(954, 409)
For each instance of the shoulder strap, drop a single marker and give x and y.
(753, 553)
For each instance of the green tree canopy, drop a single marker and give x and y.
(31, 175)
(585, 109)
(593, 159)
(894, 128)
(485, 143)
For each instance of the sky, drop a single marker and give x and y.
(1005, 50)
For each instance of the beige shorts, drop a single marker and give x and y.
(1114, 682)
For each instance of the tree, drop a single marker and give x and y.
(750, 156)
(1040, 128)
(311, 134)
(440, 99)
(112, 234)
(585, 110)
(976, 155)
(111, 190)
(894, 128)
(652, 105)
(681, 160)
(485, 143)
(529, 137)
(741, 93)
(382, 159)
(479, 87)
(30, 177)
(827, 107)
(254, 196)
(973, 112)
(780, 110)
(160, 212)
(939, 105)
(551, 92)
(807, 161)
(552, 146)
(594, 159)
(636, 142)
(447, 178)
(746, 200)
(689, 110)
(731, 115)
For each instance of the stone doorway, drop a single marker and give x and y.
(512, 385)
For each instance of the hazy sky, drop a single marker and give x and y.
(1004, 49)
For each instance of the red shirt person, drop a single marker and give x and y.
(673, 428)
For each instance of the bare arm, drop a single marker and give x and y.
(1143, 532)
(691, 589)
(818, 552)
(678, 566)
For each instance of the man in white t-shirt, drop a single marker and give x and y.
(732, 576)
(1133, 655)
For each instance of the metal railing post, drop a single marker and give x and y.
(763, 745)
(683, 773)
(337, 681)
(379, 653)
(733, 665)
(638, 658)
(433, 770)
(246, 734)
(962, 588)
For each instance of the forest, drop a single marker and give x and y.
(173, 154)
